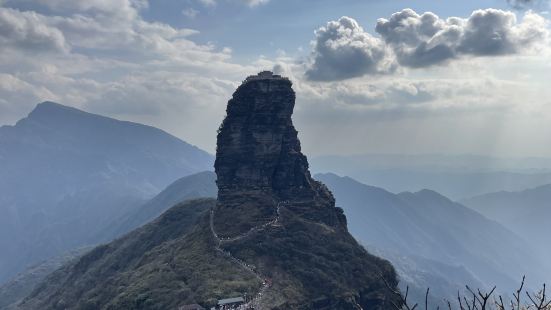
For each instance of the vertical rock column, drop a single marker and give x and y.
(259, 160)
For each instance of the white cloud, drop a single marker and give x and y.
(342, 49)
(16, 94)
(424, 40)
(30, 32)
(119, 9)
(104, 57)
(121, 65)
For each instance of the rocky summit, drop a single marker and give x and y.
(274, 216)
(273, 237)
(259, 162)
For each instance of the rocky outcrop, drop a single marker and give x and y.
(259, 160)
(276, 217)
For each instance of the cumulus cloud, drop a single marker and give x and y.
(29, 31)
(424, 40)
(108, 11)
(342, 49)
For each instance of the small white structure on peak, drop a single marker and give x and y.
(264, 75)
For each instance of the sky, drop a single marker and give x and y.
(389, 76)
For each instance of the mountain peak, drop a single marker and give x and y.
(271, 213)
(50, 104)
(274, 230)
(259, 156)
(49, 108)
(55, 115)
(258, 132)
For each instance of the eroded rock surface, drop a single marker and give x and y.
(275, 217)
(259, 160)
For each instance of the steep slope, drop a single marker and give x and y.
(199, 185)
(12, 292)
(415, 271)
(194, 186)
(418, 273)
(165, 264)
(428, 225)
(273, 233)
(66, 173)
(274, 216)
(527, 213)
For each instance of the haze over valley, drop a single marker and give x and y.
(275, 154)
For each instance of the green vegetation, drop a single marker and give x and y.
(172, 261)
(24, 283)
(162, 265)
(314, 266)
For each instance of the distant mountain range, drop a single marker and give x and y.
(67, 174)
(190, 187)
(199, 185)
(432, 233)
(153, 267)
(525, 212)
(73, 178)
(19, 287)
(425, 235)
(456, 177)
(420, 233)
(431, 241)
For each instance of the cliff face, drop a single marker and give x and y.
(259, 162)
(258, 148)
(272, 215)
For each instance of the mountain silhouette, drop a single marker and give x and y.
(66, 174)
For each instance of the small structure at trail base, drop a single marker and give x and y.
(230, 303)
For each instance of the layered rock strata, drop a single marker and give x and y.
(259, 162)
(272, 215)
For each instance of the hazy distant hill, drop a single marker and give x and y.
(199, 185)
(527, 213)
(66, 174)
(162, 265)
(430, 226)
(419, 273)
(430, 240)
(456, 177)
(194, 186)
(23, 284)
(430, 249)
